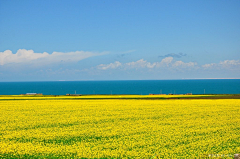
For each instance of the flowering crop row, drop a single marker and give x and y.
(119, 128)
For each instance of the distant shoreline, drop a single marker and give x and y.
(120, 96)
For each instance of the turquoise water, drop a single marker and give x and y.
(144, 87)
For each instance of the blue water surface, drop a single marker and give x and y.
(144, 87)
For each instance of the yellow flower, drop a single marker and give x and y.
(115, 128)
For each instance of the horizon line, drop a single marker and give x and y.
(121, 80)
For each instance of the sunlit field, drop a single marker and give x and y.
(118, 128)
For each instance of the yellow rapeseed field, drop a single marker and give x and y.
(119, 128)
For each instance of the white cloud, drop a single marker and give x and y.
(183, 64)
(129, 51)
(26, 56)
(227, 64)
(207, 66)
(165, 62)
(114, 65)
(22, 55)
(141, 64)
(169, 63)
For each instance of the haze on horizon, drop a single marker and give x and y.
(119, 40)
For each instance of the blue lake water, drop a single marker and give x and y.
(144, 87)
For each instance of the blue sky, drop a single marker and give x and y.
(119, 40)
